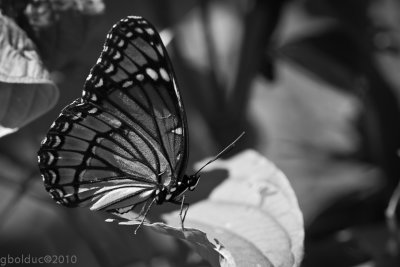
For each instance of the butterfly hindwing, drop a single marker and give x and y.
(127, 135)
(85, 159)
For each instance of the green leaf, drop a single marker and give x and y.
(26, 91)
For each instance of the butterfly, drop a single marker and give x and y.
(124, 143)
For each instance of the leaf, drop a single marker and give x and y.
(59, 28)
(257, 206)
(214, 252)
(258, 183)
(251, 219)
(26, 91)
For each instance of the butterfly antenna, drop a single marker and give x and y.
(226, 149)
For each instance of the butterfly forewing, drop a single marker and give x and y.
(127, 135)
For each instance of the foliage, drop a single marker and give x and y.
(26, 90)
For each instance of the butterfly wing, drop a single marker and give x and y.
(127, 135)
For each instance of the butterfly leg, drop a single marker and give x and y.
(183, 211)
(142, 211)
(184, 206)
(144, 215)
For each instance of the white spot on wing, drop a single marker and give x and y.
(51, 158)
(177, 131)
(117, 55)
(69, 195)
(99, 83)
(44, 141)
(59, 192)
(149, 31)
(164, 74)
(116, 123)
(65, 127)
(138, 30)
(94, 97)
(121, 43)
(160, 50)
(168, 196)
(153, 75)
(110, 68)
(127, 84)
(139, 77)
(53, 177)
(57, 141)
(134, 17)
(76, 116)
(89, 77)
(92, 111)
(129, 34)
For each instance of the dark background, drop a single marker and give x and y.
(313, 83)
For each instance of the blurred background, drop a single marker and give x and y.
(314, 83)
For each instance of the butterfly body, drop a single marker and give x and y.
(175, 192)
(124, 143)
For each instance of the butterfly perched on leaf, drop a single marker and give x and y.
(124, 143)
